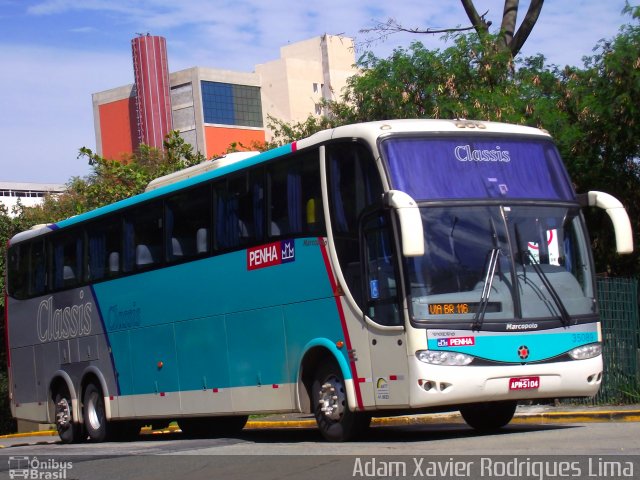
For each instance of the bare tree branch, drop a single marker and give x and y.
(392, 26)
(529, 21)
(512, 39)
(477, 20)
(382, 30)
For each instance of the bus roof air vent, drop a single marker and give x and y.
(203, 167)
(463, 123)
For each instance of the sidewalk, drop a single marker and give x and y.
(525, 414)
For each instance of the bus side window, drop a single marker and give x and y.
(381, 285)
(103, 249)
(27, 270)
(18, 271)
(311, 195)
(67, 258)
(38, 269)
(250, 207)
(278, 174)
(295, 201)
(354, 184)
(240, 210)
(143, 237)
(226, 218)
(187, 220)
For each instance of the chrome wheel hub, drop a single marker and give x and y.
(332, 398)
(63, 413)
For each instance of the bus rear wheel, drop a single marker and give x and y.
(95, 418)
(336, 422)
(69, 430)
(489, 416)
(203, 427)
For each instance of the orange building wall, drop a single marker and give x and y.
(118, 128)
(220, 138)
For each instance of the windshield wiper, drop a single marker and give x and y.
(478, 319)
(564, 315)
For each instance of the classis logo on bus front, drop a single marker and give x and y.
(271, 254)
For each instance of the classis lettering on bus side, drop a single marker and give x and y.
(63, 323)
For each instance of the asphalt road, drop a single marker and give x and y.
(587, 450)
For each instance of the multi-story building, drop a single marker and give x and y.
(28, 194)
(214, 108)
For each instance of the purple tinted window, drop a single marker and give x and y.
(473, 167)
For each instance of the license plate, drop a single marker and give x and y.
(524, 383)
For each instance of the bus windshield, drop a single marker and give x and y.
(474, 255)
(496, 257)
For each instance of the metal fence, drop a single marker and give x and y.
(618, 302)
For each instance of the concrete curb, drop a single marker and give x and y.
(519, 418)
(433, 419)
(39, 433)
(579, 416)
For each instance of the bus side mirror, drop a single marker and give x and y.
(411, 233)
(618, 216)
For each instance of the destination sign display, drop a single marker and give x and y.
(461, 308)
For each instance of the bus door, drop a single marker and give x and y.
(383, 310)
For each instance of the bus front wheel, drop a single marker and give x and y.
(336, 422)
(489, 416)
(69, 430)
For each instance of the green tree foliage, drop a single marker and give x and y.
(604, 104)
(471, 79)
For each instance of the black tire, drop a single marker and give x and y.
(95, 418)
(336, 422)
(208, 427)
(490, 416)
(69, 429)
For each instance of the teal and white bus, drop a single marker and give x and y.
(375, 269)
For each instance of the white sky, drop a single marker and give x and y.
(55, 53)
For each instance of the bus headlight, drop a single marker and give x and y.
(435, 357)
(586, 351)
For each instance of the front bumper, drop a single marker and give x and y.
(435, 385)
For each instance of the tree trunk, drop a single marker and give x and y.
(509, 17)
(529, 21)
(513, 40)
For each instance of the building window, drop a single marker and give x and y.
(229, 104)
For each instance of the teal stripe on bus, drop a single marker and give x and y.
(504, 347)
(213, 323)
